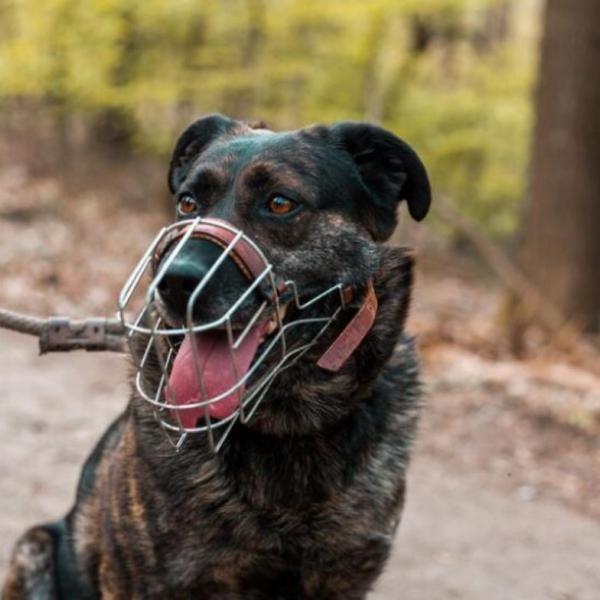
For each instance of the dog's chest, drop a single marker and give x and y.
(295, 516)
(257, 534)
(279, 551)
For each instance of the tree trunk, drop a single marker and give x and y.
(561, 246)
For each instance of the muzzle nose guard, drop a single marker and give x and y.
(249, 259)
(162, 340)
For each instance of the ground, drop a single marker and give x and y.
(466, 533)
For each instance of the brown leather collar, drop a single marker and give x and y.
(352, 335)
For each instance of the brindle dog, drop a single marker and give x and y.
(303, 501)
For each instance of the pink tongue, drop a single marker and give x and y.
(220, 369)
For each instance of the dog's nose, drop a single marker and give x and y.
(190, 268)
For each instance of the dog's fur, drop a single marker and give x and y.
(303, 502)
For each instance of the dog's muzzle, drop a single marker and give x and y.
(202, 371)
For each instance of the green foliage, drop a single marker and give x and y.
(430, 71)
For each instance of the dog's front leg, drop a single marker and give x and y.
(31, 573)
(350, 572)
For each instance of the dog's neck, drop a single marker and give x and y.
(308, 398)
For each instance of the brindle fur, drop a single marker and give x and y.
(304, 501)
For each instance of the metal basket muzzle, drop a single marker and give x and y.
(142, 313)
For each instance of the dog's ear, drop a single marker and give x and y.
(390, 170)
(191, 143)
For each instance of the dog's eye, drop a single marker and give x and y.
(186, 205)
(280, 205)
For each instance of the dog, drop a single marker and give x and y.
(303, 500)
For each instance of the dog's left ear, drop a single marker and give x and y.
(197, 137)
(390, 170)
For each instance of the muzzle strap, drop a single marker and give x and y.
(353, 334)
(248, 259)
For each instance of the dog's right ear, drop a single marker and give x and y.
(390, 170)
(191, 143)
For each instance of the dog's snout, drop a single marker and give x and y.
(194, 272)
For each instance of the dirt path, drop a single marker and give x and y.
(461, 537)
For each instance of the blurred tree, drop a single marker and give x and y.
(561, 251)
(451, 76)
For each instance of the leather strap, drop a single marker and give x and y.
(250, 262)
(353, 334)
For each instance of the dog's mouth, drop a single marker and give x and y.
(212, 369)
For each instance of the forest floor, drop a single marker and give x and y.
(504, 487)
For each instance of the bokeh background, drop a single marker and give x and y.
(500, 98)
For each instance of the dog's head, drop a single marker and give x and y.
(318, 202)
(285, 184)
